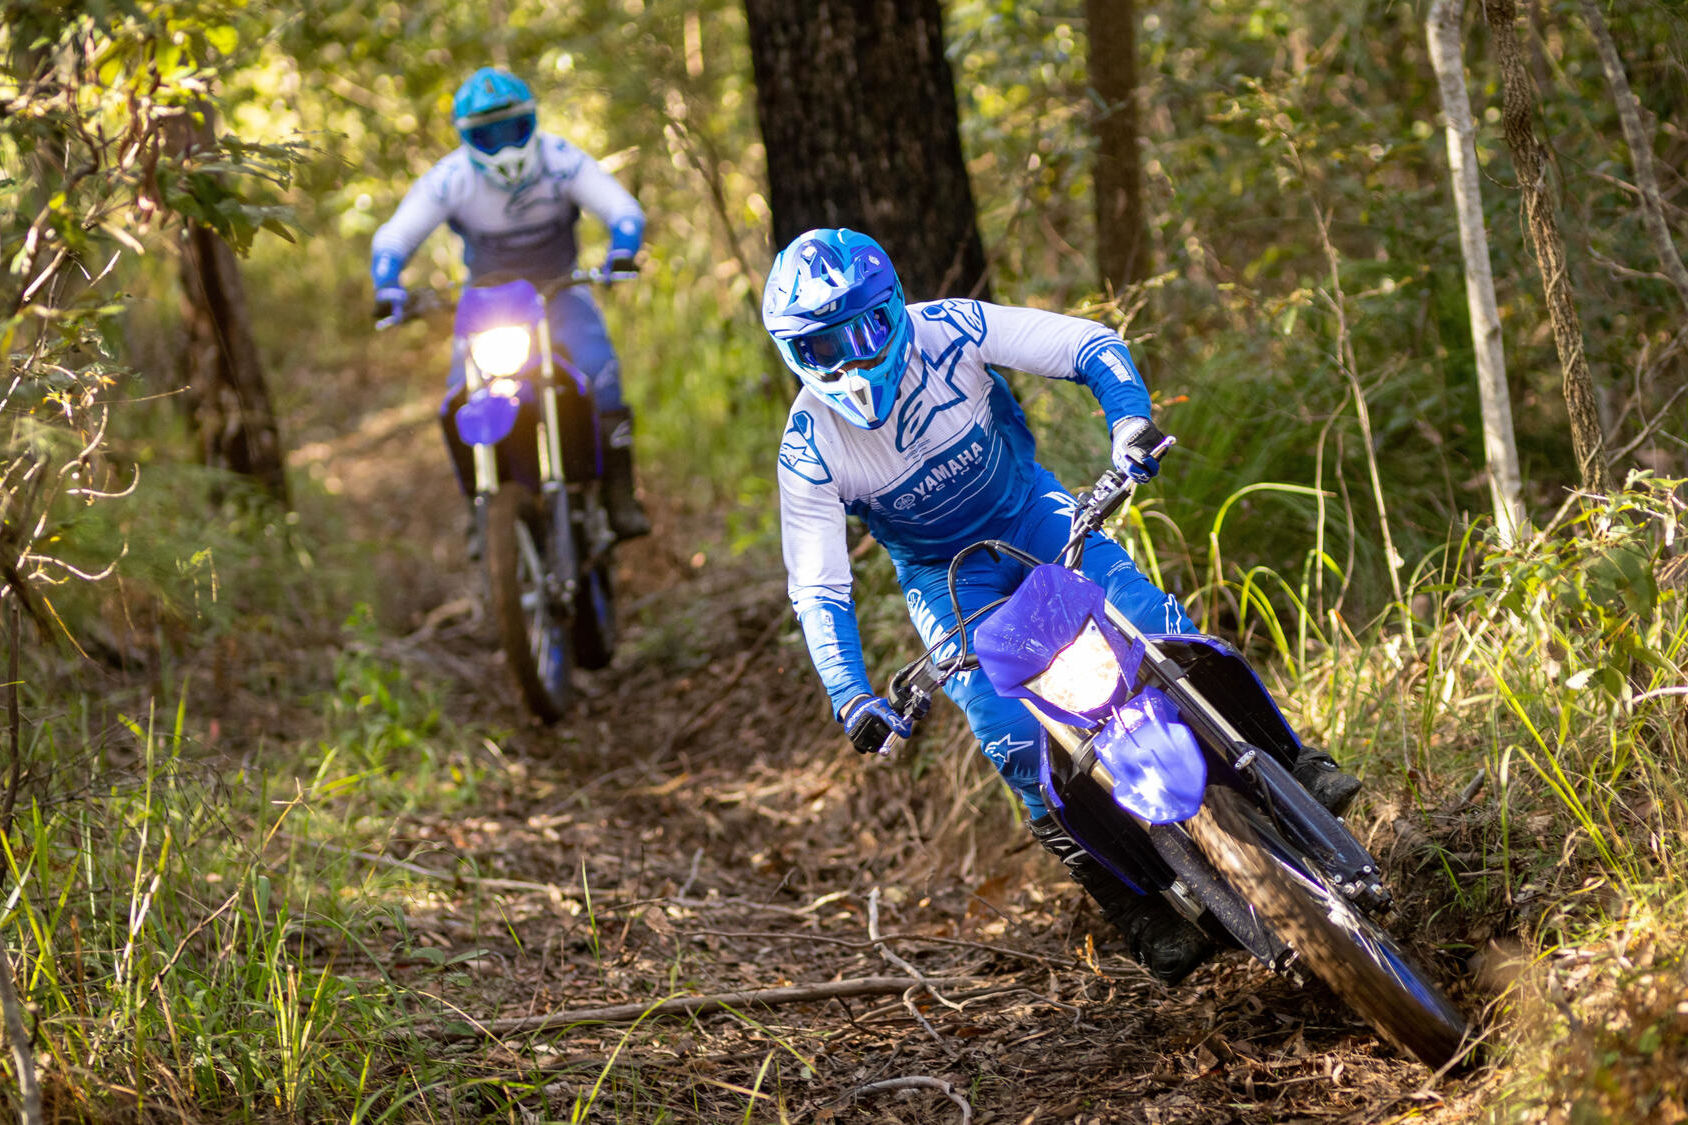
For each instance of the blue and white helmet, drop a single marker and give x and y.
(494, 114)
(835, 309)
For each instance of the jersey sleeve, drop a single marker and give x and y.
(426, 205)
(600, 195)
(817, 564)
(1057, 346)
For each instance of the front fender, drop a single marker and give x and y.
(1158, 769)
(486, 419)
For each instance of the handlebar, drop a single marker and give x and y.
(423, 303)
(913, 686)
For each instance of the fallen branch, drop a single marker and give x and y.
(680, 1005)
(918, 1082)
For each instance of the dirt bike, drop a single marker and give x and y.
(1166, 758)
(527, 417)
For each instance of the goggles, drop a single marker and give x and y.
(860, 338)
(494, 136)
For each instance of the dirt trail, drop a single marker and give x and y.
(697, 827)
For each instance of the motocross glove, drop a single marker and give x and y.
(620, 262)
(1134, 443)
(389, 302)
(870, 720)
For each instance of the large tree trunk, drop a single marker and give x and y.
(227, 398)
(858, 115)
(1517, 114)
(1122, 227)
(1442, 29)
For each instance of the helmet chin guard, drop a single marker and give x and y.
(835, 309)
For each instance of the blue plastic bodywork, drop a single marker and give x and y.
(487, 419)
(1157, 765)
(1045, 615)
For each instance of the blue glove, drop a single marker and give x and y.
(620, 262)
(1134, 442)
(389, 302)
(870, 720)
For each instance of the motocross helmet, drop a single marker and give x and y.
(835, 309)
(494, 114)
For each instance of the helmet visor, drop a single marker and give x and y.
(861, 338)
(494, 136)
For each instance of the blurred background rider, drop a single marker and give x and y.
(514, 195)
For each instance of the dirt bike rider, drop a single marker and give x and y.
(514, 194)
(903, 421)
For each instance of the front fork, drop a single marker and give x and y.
(560, 569)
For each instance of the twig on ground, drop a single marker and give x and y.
(918, 1082)
(487, 881)
(679, 1005)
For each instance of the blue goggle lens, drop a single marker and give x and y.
(831, 348)
(497, 135)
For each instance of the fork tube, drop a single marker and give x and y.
(485, 456)
(550, 444)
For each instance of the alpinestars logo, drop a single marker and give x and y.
(799, 453)
(939, 476)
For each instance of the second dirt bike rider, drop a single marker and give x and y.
(514, 195)
(903, 421)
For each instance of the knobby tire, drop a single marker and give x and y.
(525, 632)
(1357, 960)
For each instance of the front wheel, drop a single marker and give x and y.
(536, 642)
(1359, 962)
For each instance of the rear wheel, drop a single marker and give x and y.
(536, 642)
(1359, 962)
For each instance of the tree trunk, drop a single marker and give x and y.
(1442, 29)
(1122, 228)
(227, 397)
(1518, 108)
(1636, 135)
(859, 120)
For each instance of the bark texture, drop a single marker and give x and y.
(227, 398)
(227, 395)
(1500, 449)
(1528, 158)
(858, 114)
(1123, 253)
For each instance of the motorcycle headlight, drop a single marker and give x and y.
(500, 351)
(1083, 676)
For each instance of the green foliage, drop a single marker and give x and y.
(101, 102)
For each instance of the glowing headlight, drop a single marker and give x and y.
(500, 351)
(1083, 676)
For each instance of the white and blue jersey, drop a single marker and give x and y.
(529, 232)
(953, 464)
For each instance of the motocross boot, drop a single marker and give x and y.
(1162, 940)
(1324, 780)
(627, 517)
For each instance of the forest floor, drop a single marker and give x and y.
(697, 827)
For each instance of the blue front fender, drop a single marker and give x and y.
(487, 419)
(1158, 769)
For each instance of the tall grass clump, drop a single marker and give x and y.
(1521, 719)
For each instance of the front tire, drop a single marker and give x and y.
(1359, 962)
(536, 643)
